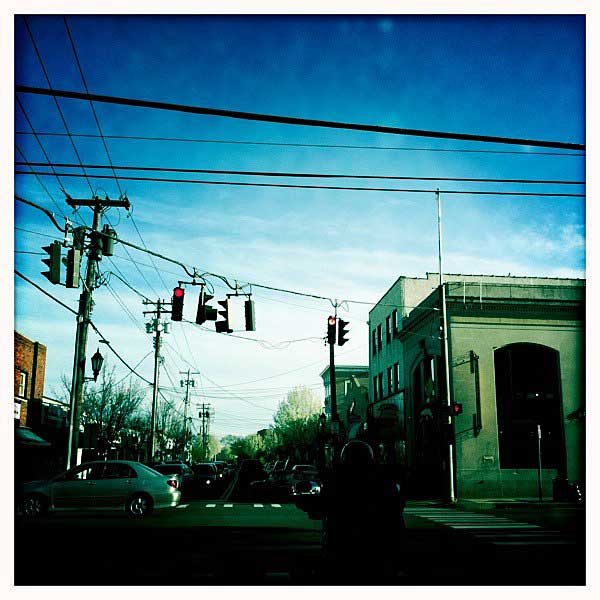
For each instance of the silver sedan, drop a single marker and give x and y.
(102, 485)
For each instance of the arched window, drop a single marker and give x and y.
(528, 395)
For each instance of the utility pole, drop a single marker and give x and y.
(187, 382)
(444, 332)
(205, 416)
(156, 326)
(335, 418)
(83, 317)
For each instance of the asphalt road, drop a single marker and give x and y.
(215, 542)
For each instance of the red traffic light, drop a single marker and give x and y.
(457, 409)
(178, 292)
(331, 321)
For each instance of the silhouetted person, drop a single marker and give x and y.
(363, 525)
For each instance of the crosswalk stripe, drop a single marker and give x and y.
(228, 505)
(258, 506)
(183, 506)
(534, 543)
(491, 526)
(211, 505)
(276, 505)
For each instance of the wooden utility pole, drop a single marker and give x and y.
(187, 382)
(157, 327)
(83, 318)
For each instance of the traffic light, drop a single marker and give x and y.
(53, 262)
(342, 331)
(249, 311)
(331, 321)
(73, 263)
(223, 326)
(205, 313)
(456, 409)
(177, 304)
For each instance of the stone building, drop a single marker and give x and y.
(352, 386)
(517, 361)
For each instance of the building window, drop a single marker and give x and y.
(22, 384)
(389, 381)
(388, 330)
(375, 388)
(378, 337)
(397, 377)
(527, 396)
(374, 342)
(380, 384)
(394, 322)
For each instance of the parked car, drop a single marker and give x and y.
(301, 472)
(184, 473)
(101, 485)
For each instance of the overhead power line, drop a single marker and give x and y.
(286, 120)
(148, 138)
(315, 187)
(62, 116)
(302, 175)
(131, 369)
(91, 103)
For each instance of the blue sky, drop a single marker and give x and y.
(517, 76)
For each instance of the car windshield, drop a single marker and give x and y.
(204, 470)
(169, 469)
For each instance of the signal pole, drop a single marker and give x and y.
(156, 326)
(187, 382)
(444, 332)
(83, 318)
(335, 418)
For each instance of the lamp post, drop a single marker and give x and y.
(97, 361)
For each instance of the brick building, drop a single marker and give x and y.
(30, 370)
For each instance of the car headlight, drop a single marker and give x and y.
(208, 482)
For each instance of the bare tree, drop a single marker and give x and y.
(111, 407)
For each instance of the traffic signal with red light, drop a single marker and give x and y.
(205, 312)
(177, 304)
(331, 323)
(53, 262)
(342, 332)
(456, 409)
(223, 326)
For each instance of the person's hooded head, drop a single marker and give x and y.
(357, 453)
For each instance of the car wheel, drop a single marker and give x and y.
(139, 505)
(34, 506)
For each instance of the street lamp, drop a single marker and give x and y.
(97, 361)
(322, 422)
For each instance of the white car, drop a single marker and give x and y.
(101, 485)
